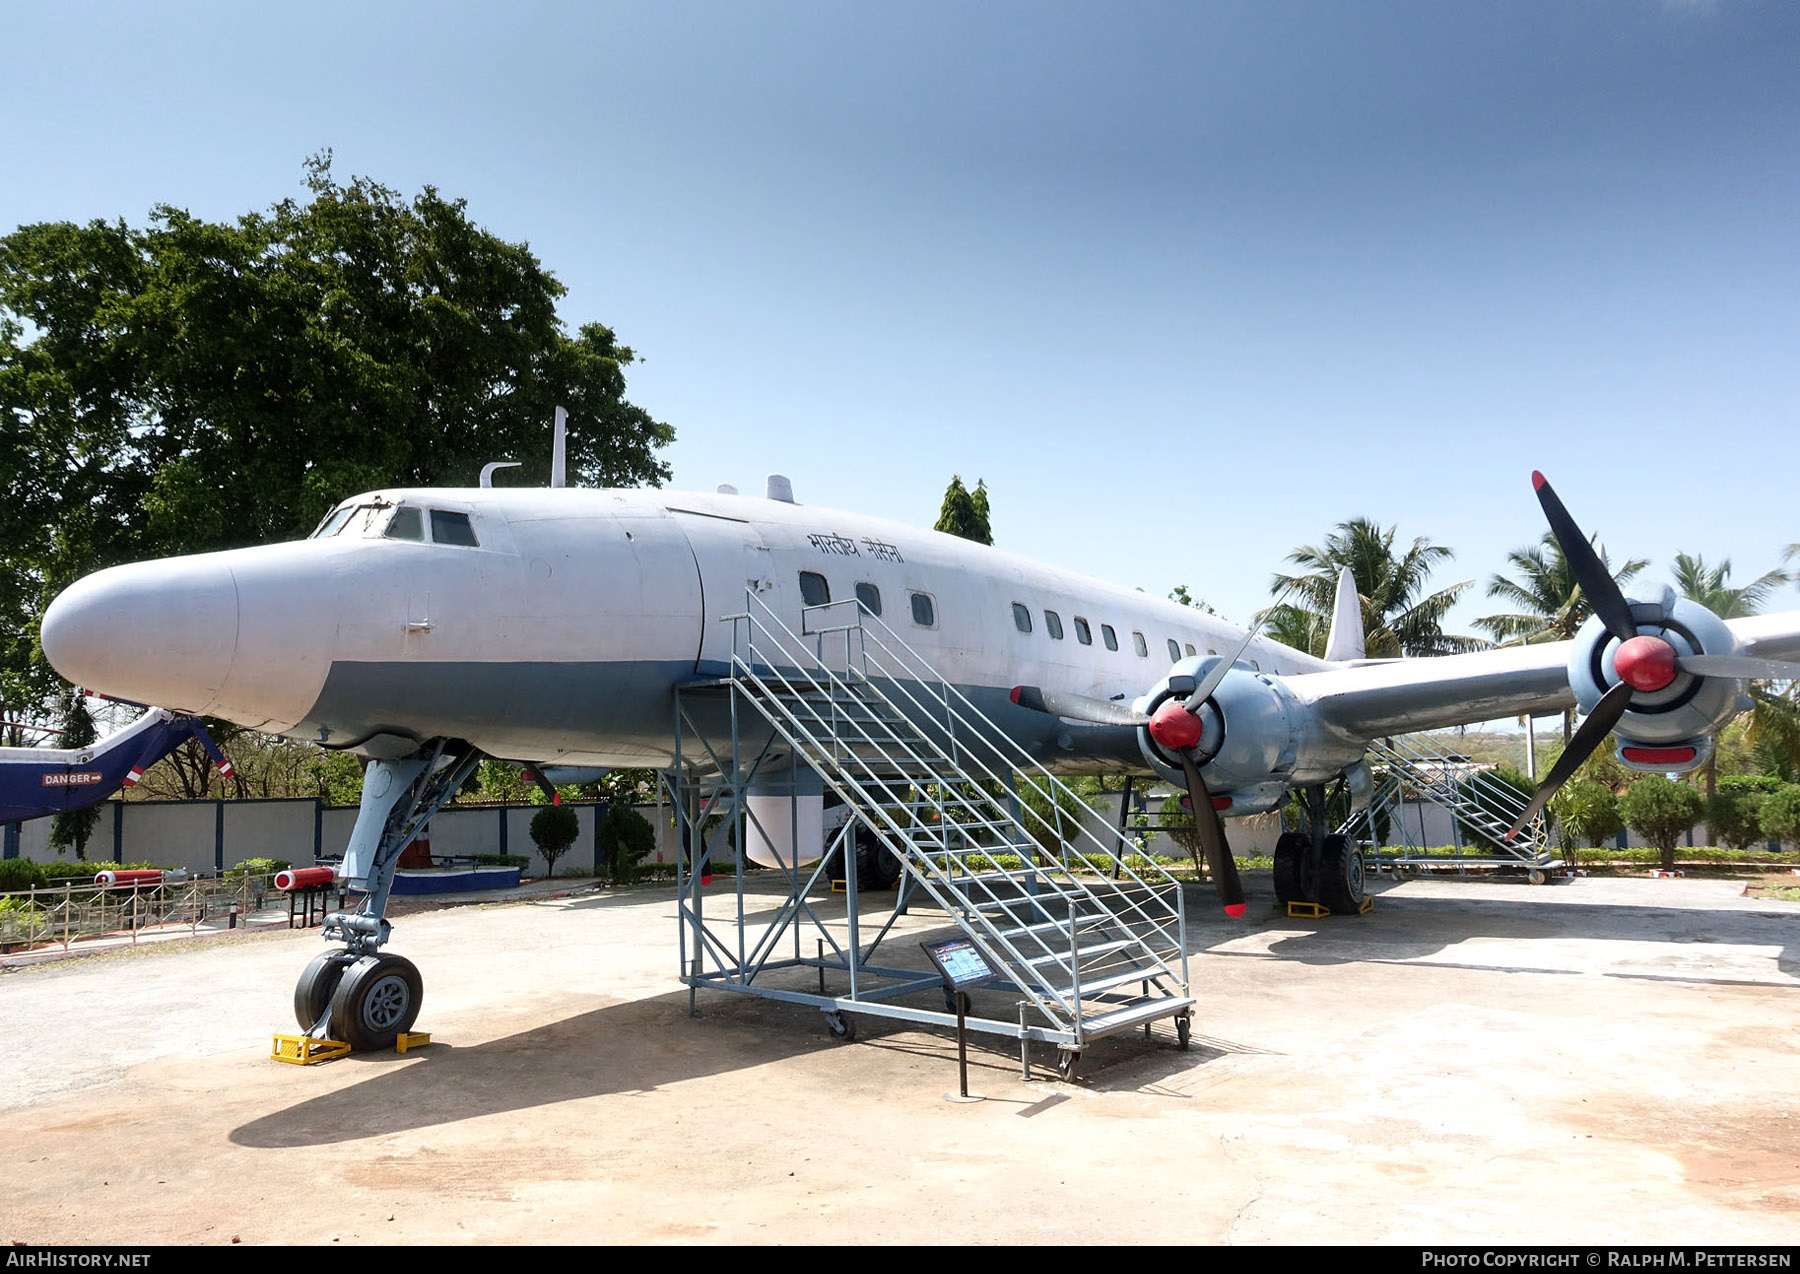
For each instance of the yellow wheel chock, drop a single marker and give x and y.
(411, 1039)
(304, 1050)
(1318, 911)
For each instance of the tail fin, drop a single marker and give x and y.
(1346, 639)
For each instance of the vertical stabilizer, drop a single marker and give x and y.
(1346, 640)
(559, 465)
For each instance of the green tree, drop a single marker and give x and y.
(1781, 814)
(1550, 604)
(1661, 810)
(1734, 812)
(192, 385)
(1399, 616)
(73, 828)
(965, 514)
(1586, 811)
(624, 840)
(553, 830)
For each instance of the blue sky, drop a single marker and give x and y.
(1187, 284)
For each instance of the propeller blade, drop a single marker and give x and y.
(1597, 583)
(1077, 707)
(1591, 735)
(1746, 666)
(1216, 673)
(1212, 839)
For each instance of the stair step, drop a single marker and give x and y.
(1134, 1014)
(1046, 926)
(1111, 980)
(1084, 953)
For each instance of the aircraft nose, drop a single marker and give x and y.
(160, 633)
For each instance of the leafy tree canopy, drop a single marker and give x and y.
(191, 385)
(966, 512)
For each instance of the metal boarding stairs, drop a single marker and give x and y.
(1477, 805)
(1088, 930)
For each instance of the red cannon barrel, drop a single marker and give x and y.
(304, 877)
(134, 878)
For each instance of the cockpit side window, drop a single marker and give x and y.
(452, 528)
(406, 524)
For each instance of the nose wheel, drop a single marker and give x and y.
(367, 1001)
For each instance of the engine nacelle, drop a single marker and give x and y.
(1250, 738)
(1670, 727)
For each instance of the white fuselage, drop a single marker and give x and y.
(560, 634)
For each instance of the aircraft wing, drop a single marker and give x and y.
(1406, 695)
(1769, 636)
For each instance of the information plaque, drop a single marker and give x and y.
(960, 963)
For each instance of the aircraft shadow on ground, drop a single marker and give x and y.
(1402, 929)
(635, 1046)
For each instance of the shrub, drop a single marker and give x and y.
(521, 861)
(1660, 810)
(1587, 811)
(1734, 817)
(1781, 815)
(258, 867)
(553, 829)
(625, 838)
(19, 873)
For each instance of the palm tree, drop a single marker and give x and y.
(1550, 603)
(1399, 616)
(1711, 586)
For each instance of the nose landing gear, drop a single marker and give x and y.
(357, 993)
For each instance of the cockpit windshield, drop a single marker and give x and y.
(355, 520)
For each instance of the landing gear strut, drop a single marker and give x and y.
(1316, 864)
(358, 993)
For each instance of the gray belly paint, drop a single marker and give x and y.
(618, 713)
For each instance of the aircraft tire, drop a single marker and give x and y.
(1290, 862)
(876, 865)
(312, 993)
(377, 998)
(1341, 876)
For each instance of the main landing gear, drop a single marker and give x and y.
(1317, 865)
(358, 993)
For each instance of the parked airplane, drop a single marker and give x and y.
(425, 629)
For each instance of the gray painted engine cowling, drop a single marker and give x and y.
(1257, 740)
(1686, 713)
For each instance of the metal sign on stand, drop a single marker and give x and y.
(961, 965)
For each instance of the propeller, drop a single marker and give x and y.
(1643, 661)
(1176, 726)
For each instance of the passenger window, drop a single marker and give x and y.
(924, 613)
(1108, 636)
(1021, 618)
(452, 528)
(406, 524)
(1190, 649)
(1053, 624)
(1174, 651)
(1143, 647)
(814, 591)
(1083, 633)
(870, 597)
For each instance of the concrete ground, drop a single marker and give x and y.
(1605, 1061)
